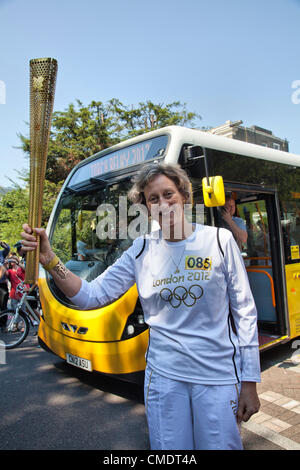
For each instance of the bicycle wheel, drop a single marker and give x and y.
(13, 330)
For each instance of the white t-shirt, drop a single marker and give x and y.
(184, 288)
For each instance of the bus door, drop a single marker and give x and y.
(263, 257)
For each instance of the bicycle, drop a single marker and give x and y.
(16, 323)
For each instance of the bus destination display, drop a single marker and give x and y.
(123, 158)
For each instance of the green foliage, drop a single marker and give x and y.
(14, 210)
(130, 121)
(61, 241)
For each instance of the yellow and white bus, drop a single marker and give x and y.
(266, 186)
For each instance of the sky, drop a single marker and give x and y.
(227, 60)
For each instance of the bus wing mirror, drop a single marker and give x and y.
(213, 193)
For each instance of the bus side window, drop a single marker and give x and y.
(258, 242)
(290, 223)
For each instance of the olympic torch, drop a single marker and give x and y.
(42, 89)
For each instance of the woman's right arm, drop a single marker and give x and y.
(106, 288)
(65, 280)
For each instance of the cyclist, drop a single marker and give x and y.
(4, 293)
(15, 272)
(34, 293)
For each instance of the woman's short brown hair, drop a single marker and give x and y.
(148, 172)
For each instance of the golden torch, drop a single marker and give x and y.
(42, 89)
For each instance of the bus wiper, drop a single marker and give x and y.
(97, 179)
(69, 191)
(82, 187)
(159, 153)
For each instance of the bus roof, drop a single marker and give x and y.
(183, 135)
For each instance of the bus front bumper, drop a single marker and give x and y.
(111, 357)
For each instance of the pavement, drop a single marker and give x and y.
(278, 420)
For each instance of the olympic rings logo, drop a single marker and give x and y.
(181, 294)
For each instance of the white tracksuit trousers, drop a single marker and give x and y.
(187, 416)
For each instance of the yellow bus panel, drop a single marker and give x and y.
(102, 343)
(292, 272)
(116, 357)
(104, 324)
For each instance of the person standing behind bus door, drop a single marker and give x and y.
(235, 224)
(195, 393)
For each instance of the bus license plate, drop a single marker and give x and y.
(79, 362)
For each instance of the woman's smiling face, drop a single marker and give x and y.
(164, 201)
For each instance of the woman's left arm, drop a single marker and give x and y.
(244, 313)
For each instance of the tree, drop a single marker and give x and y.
(131, 121)
(14, 210)
(81, 131)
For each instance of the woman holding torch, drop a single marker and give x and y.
(200, 378)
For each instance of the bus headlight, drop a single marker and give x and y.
(135, 324)
(130, 330)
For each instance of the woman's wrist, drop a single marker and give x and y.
(50, 261)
